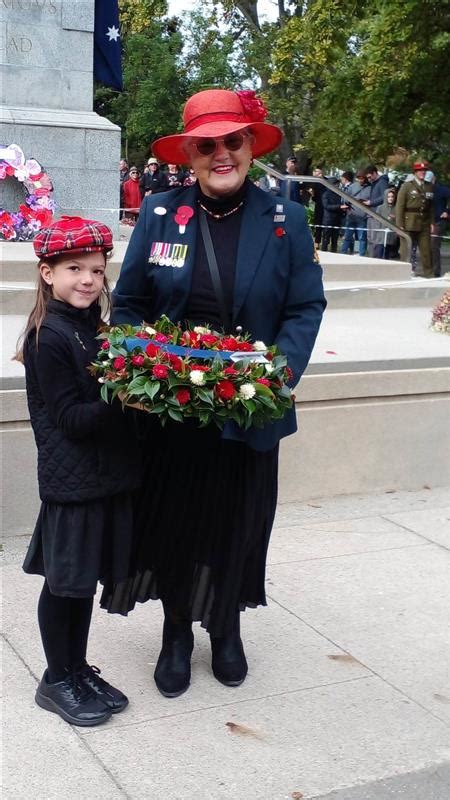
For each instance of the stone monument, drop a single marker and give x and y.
(46, 61)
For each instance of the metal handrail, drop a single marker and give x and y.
(354, 203)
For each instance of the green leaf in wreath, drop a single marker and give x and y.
(176, 415)
(104, 393)
(206, 396)
(151, 388)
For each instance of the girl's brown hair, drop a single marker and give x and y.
(43, 295)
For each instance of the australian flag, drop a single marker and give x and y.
(107, 46)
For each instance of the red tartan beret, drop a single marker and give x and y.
(73, 235)
(421, 165)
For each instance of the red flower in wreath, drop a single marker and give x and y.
(183, 396)
(175, 362)
(229, 343)
(225, 390)
(200, 367)
(160, 371)
(253, 106)
(152, 350)
(119, 362)
(138, 361)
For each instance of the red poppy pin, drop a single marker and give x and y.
(182, 217)
(279, 232)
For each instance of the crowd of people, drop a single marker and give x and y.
(418, 205)
(135, 185)
(336, 222)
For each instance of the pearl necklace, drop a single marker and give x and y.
(220, 216)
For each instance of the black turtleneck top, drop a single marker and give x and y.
(203, 306)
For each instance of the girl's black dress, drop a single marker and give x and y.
(88, 460)
(209, 504)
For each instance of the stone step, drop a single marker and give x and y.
(388, 294)
(349, 341)
(18, 264)
(17, 297)
(338, 267)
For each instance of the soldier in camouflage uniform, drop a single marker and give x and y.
(414, 213)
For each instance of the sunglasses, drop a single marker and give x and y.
(232, 142)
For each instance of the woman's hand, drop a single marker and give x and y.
(122, 397)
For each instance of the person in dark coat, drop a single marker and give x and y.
(210, 495)
(441, 216)
(87, 466)
(153, 180)
(316, 191)
(378, 185)
(333, 215)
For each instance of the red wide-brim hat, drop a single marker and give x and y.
(73, 235)
(217, 112)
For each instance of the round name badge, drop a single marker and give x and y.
(160, 210)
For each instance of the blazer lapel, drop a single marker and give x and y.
(252, 241)
(181, 276)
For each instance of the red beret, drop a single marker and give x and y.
(73, 235)
(421, 165)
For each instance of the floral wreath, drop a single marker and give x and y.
(193, 373)
(440, 320)
(37, 211)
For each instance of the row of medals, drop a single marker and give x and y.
(166, 254)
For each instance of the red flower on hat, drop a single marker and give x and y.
(183, 215)
(253, 106)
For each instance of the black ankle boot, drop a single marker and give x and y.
(228, 663)
(173, 669)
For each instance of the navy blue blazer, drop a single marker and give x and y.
(278, 291)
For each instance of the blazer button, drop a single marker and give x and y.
(238, 328)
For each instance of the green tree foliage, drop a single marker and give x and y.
(348, 80)
(214, 47)
(352, 77)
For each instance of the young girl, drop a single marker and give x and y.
(87, 466)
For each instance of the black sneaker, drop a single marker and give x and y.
(113, 698)
(72, 700)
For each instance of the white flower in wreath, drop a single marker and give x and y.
(259, 345)
(21, 173)
(197, 377)
(269, 368)
(150, 330)
(33, 167)
(201, 329)
(247, 391)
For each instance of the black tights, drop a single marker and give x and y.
(64, 624)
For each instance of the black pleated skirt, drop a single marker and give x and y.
(205, 517)
(75, 545)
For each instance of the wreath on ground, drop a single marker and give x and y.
(37, 210)
(440, 320)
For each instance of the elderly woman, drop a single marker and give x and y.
(244, 262)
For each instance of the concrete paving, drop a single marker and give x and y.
(348, 692)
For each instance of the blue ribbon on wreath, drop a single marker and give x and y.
(179, 350)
